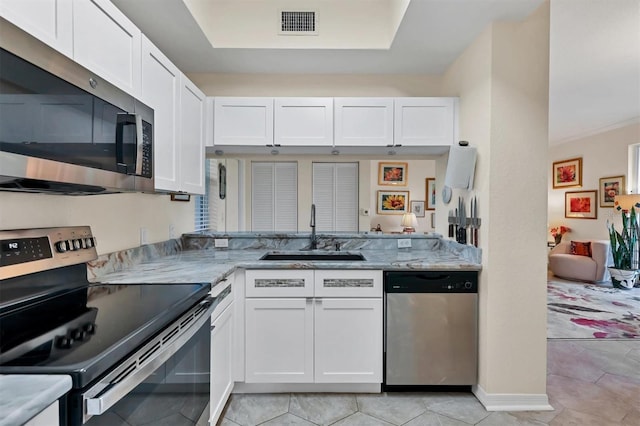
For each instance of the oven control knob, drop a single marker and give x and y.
(79, 334)
(468, 285)
(64, 342)
(61, 246)
(88, 242)
(77, 244)
(89, 328)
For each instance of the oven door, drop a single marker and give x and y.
(168, 379)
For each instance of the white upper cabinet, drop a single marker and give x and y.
(48, 21)
(363, 121)
(107, 43)
(161, 91)
(425, 121)
(192, 129)
(303, 121)
(243, 121)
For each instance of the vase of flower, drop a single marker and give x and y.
(557, 233)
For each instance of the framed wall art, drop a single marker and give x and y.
(567, 173)
(581, 204)
(392, 174)
(417, 207)
(393, 202)
(609, 188)
(430, 188)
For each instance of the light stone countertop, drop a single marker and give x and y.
(212, 266)
(24, 396)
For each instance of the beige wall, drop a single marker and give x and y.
(504, 112)
(115, 219)
(603, 155)
(317, 84)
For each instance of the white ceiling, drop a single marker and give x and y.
(594, 63)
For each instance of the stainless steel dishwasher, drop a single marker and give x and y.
(431, 328)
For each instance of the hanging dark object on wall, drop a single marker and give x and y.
(222, 181)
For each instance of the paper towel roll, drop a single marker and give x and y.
(461, 167)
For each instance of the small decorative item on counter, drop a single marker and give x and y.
(558, 231)
(378, 229)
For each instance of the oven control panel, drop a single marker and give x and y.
(25, 251)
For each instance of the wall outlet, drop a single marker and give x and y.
(172, 231)
(221, 242)
(144, 238)
(404, 243)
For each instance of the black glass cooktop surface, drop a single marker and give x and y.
(84, 331)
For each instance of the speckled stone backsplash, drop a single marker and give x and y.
(347, 242)
(121, 260)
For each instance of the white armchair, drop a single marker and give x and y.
(563, 264)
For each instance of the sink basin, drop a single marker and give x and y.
(329, 256)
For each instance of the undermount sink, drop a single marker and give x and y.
(329, 256)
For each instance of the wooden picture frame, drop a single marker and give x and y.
(393, 174)
(610, 187)
(430, 193)
(581, 204)
(392, 202)
(567, 173)
(417, 207)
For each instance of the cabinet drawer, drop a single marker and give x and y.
(348, 283)
(279, 283)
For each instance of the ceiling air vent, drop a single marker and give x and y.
(298, 23)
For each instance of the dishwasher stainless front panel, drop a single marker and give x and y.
(431, 339)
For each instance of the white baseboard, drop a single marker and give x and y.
(512, 401)
(307, 387)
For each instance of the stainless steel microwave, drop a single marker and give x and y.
(65, 130)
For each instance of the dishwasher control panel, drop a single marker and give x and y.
(431, 281)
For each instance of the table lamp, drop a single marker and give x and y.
(409, 223)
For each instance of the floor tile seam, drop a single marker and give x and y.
(606, 421)
(412, 419)
(300, 417)
(380, 418)
(343, 417)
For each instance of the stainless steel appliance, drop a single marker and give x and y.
(431, 329)
(143, 346)
(64, 129)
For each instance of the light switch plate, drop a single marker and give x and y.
(404, 243)
(221, 242)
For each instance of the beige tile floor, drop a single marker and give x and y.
(589, 383)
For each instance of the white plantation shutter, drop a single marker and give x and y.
(335, 194)
(274, 197)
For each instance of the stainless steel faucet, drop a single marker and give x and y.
(314, 239)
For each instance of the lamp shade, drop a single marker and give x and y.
(625, 202)
(409, 222)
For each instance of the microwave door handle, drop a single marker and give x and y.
(123, 119)
(139, 144)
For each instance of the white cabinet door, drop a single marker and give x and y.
(243, 121)
(221, 362)
(303, 121)
(192, 105)
(106, 42)
(425, 121)
(348, 340)
(48, 21)
(363, 121)
(279, 340)
(161, 91)
(279, 283)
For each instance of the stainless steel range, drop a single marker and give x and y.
(116, 341)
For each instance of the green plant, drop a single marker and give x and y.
(623, 243)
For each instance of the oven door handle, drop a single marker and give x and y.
(135, 369)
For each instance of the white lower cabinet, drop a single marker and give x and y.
(50, 416)
(334, 337)
(348, 340)
(221, 362)
(279, 340)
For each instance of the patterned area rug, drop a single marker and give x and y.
(587, 311)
